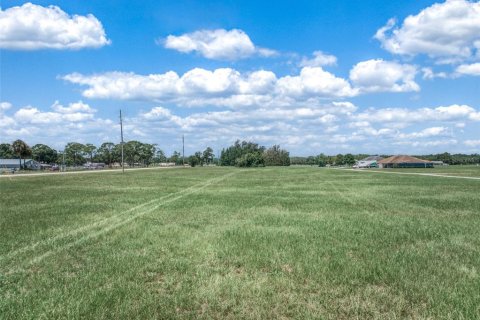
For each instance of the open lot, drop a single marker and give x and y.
(232, 243)
(464, 171)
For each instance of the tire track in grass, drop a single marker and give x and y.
(343, 196)
(113, 222)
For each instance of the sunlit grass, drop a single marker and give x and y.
(231, 243)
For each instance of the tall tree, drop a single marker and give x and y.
(44, 154)
(75, 152)
(160, 156)
(6, 151)
(322, 160)
(339, 159)
(106, 153)
(349, 159)
(176, 157)
(21, 149)
(90, 149)
(207, 155)
(275, 156)
(146, 153)
(238, 150)
(195, 159)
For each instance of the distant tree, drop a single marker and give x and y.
(251, 159)
(238, 150)
(146, 153)
(117, 153)
(275, 156)
(21, 150)
(132, 151)
(322, 160)
(6, 151)
(44, 154)
(349, 159)
(106, 153)
(195, 159)
(74, 152)
(339, 160)
(159, 156)
(446, 158)
(90, 149)
(207, 156)
(176, 158)
(311, 161)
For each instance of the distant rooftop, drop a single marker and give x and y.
(5, 162)
(403, 159)
(372, 158)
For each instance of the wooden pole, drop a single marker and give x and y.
(121, 136)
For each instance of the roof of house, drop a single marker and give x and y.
(402, 159)
(372, 158)
(5, 162)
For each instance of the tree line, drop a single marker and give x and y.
(323, 160)
(240, 154)
(76, 154)
(135, 153)
(453, 159)
(350, 159)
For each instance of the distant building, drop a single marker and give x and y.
(439, 163)
(368, 162)
(167, 164)
(94, 165)
(404, 162)
(30, 164)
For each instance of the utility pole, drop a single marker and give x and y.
(63, 164)
(183, 149)
(121, 135)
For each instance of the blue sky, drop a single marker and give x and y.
(313, 76)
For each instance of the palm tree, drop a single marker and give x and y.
(27, 152)
(21, 149)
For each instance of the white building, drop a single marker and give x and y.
(9, 164)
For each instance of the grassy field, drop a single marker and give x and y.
(229, 243)
(462, 171)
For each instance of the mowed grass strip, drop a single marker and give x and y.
(260, 243)
(472, 171)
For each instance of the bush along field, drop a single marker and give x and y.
(228, 243)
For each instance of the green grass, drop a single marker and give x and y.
(229, 243)
(464, 171)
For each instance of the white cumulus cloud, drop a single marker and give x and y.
(33, 27)
(75, 112)
(314, 81)
(217, 44)
(426, 133)
(319, 59)
(5, 106)
(448, 32)
(403, 115)
(429, 74)
(307, 128)
(222, 87)
(75, 107)
(378, 75)
(468, 69)
(472, 143)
